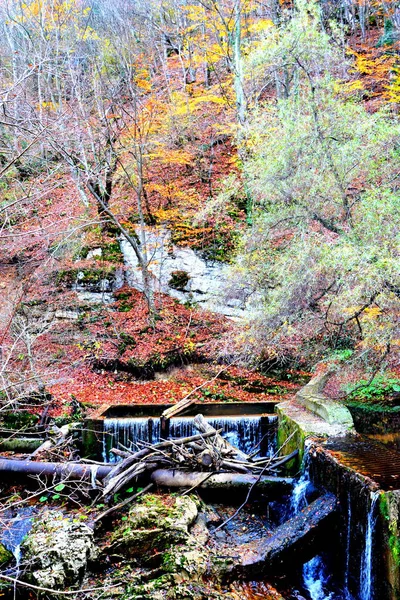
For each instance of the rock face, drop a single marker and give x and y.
(58, 550)
(185, 275)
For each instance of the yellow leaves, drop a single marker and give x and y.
(144, 84)
(142, 80)
(372, 312)
(48, 105)
(184, 104)
(367, 63)
(380, 75)
(350, 86)
(392, 90)
(170, 156)
(57, 15)
(260, 26)
(193, 102)
(194, 12)
(89, 34)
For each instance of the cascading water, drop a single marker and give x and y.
(315, 579)
(347, 594)
(244, 432)
(298, 499)
(366, 577)
(126, 432)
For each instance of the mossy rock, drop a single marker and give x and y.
(89, 278)
(182, 565)
(155, 523)
(167, 587)
(5, 555)
(112, 252)
(58, 550)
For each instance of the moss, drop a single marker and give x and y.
(127, 341)
(179, 280)
(5, 555)
(155, 524)
(392, 526)
(287, 428)
(18, 420)
(67, 277)
(112, 252)
(367, 407)
(389, 508)
(125, 301)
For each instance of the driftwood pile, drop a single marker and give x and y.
(206, 452)
(205, 460)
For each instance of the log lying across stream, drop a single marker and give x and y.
(292, 542)
(68, 470)
(183, 479)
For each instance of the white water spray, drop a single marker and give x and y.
(315, 579)
(367, 580)
(298, 499)
(347, 595)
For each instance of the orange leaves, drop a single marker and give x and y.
(368, 62)
(377, 71)
(170, 156)
(143, 80)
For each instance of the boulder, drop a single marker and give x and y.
(155, 523)
(58, 550)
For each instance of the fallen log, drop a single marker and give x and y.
(292, 542)
(20, 444)
(59, 436)
(183, 479)
(68, 470)
(223, 445)
(137, 456)
(161, 477)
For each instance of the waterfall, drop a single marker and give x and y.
(244, 432)
(126, 432)
(298, 499)
(315, 579)
(366, 577)
(347, 595)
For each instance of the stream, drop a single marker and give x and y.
(14, 528)
(327, 575)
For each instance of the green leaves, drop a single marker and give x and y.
(322, 254)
